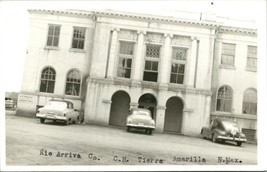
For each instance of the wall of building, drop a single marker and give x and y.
(62, 58)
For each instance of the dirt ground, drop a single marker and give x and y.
(28, 142)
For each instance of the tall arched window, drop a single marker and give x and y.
(250, 102)
(224, 99)
(73, 83)
(48, 80)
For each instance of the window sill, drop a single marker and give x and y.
(77, 50)
(251, 69)
(51, 48)
(227, 67)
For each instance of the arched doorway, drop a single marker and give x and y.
(119, 108)
(173, 115)
(148, 101)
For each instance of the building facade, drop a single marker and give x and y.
(107, 62)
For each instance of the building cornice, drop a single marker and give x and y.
(149, 18)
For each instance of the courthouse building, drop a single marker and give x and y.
(185, 71)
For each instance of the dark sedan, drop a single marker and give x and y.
(223, 130)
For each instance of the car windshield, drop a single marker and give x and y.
(228, 125)
(140, 112)
(57, 104)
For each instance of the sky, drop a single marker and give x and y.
(14, 20)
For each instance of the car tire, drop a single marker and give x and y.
(149, 131)
(66, 122)
(214, 140)
(239, 143)
(128, 129)
(42, 120)
(202, 135)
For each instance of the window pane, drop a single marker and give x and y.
(74, 43)
(181, 69)
(81, 44)
(155, 66)
(174, 68)
(127, 73)
(49, 41)
(152, 51)
(228, 49)
(223, 105)
(179, 54)
(129, 63)
(55, 43)
(180, 79)
(50, 88)
(43, 86)
(228, 60)
(251, 62)
(173, 78)
(126, 48)
(148, 65)
(150, 76)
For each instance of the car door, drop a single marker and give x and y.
(211, 126)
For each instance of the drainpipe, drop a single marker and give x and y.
(196, 66)
(109, 47)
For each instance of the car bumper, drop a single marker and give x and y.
(232, 138)
(140, 126)
(52, 117)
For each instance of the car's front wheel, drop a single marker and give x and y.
(239, 143)
(149, 131)
(214, 138)
(128, 129)
(42, 120)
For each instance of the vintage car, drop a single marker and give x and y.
(223, 130)
(140, 119)
(9, 103)
(59, 110)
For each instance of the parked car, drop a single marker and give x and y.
(59, 110)
(9, 103)
(223, 130)
(141, 119)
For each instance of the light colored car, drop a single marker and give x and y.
(9, 103)
(139, 118)
(223, 130)
(59, 110)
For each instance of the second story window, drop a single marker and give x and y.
(228, 54)
(78, 38)
(252, 57)
(126, 53)
(53, 35)
(178, 65)
(151, 62)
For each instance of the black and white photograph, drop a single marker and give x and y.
(133, 85)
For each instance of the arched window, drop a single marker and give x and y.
(224, 99)
(250, 102)
(73, 83)
(48, 80)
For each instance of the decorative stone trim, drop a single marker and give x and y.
(154, 38)
(141, 32)
(146, 17)
(134, 104)
(168, 35)
(106, 101)
(128, 35)
(51, 48)
(241, 116)
(188, 110)
(161, 107)
(181, 40)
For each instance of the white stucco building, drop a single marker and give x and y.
(107, 62)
